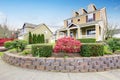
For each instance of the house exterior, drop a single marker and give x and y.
(88, 23)
(34, 29)
(116, 33)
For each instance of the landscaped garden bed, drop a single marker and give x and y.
(67, 55)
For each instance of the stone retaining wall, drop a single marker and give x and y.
(77, 64)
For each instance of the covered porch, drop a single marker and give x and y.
(79, 32)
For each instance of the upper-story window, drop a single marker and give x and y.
(69, 22)
(78, 20)
(90, 17)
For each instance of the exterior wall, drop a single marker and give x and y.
(28, 30)
(42, 29)
(65, 23)
(76, 64)
(83, 18)
(97, 16)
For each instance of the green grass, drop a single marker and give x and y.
(118, 50)
(1, 54)
(107, 50)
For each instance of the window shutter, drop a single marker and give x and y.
(94, 16)
(87, 18)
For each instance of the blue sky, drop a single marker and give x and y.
(51, 12)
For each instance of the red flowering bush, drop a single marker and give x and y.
(68, 45)
(3, 40)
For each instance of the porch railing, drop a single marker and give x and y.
(88, 36)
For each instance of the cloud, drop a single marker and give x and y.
(117, 7)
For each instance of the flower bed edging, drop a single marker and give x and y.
(77, 64)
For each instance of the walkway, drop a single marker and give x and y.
(9, 72)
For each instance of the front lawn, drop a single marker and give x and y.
(1, 54)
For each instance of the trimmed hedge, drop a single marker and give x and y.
(42, 50)
(87, 40)
(93, 49)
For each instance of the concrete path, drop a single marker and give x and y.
(9, 72)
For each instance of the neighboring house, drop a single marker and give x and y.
(34, 29)
(85, 24)
(117, 33)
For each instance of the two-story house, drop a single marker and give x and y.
(88, 23)
(35, 29)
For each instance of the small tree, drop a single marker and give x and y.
(109, 31)
(35, 38)
(39, 38)
(114, 44)
(30, 38)
(42, 38)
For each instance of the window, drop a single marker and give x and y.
(71, 34)
(90, 17)
(69, 22)
(91, 32)
(78, 20)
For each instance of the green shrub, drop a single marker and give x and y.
(42, 50)
(26, 52)
(107, 50)
(93, 49)
(114, 44)
(8, 44)
(19, 45)
(87, 40)
(30, 38)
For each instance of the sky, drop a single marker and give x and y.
(51, 12)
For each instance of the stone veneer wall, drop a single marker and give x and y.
(77, 64)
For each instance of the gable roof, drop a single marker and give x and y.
(44, 25)
(34, 27)
(29, 25)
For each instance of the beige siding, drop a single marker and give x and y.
(97, 15)
(42, 29)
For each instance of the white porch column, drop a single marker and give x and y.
(79, 33)
(97, 32)
(68, 32)
(57, 36)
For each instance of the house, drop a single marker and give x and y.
(88, 23)
(34, 29)
(117, 33)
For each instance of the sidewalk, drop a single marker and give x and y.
(9, 72)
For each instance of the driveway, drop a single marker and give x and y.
(9, 72)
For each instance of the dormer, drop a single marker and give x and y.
(91, 8)
(75, 14)
(82, 11)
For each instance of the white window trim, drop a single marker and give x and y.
(90, 29)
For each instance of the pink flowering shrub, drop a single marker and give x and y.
(68, 45)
